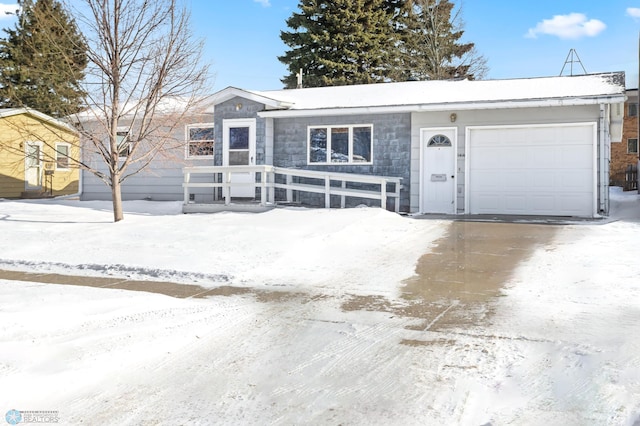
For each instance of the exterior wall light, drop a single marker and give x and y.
(453, 117)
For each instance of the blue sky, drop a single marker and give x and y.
(519, 38)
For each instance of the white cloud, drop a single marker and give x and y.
(571, 26)
(5, 8)
(634, 12)
(264, 3)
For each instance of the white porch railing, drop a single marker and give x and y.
(272, 178)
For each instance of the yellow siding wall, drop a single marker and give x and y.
(14, 132)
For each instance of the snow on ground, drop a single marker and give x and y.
(353, 247)
(560, 347)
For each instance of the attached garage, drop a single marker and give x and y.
(532, 169)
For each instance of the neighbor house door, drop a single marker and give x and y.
(239, 149)
(33, 165)
(437, 194)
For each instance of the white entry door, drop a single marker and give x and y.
(33, 166)
(437, 194)
(239, 149)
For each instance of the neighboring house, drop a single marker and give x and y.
(38, 155)
(624, 155)
(537, 146)
(190, 144)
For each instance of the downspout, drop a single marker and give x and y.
(603, 159)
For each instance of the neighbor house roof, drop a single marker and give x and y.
(440, 95)
(128, 110)
(8, 112)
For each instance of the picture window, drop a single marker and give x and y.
(200, 142)
(352, 144)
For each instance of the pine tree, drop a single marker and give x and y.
(42, 60)
(338, 42)
(429, 33)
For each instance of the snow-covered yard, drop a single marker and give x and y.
(559, 346)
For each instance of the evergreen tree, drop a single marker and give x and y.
(338, 42)
(42, 60)
(429, 33)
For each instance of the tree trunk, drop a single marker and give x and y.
(116, 197)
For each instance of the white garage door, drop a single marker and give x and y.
(532, 170)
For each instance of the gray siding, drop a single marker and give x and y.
(161, 180)
(391, 146)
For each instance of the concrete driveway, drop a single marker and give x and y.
(461, 272)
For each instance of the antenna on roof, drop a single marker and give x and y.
(572, 58)
(299, 75)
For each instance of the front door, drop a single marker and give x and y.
(33, 166)
(239, 149)
(437, 194)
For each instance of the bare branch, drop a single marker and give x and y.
(144, 78)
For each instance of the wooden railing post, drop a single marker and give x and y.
(327, 192)
(271, 182)
(227, 188)
(289, 191)
(187, 179)
(383, 194)
(396, 198)
(263, 187)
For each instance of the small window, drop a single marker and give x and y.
(632, 110)
(632, 146)
(200, 142)
(124, 145)
(340, 144)
(62, 156)
(438, 141)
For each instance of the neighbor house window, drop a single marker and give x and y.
(62, 156)
(340, 144)
(633, 110)
(632, 146)
(200, 141)
(124, 144)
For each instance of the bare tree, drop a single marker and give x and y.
(143, 78)
(430, 33)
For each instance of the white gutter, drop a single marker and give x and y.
(462, 106)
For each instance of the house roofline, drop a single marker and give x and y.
(9, 112)
(232, 92)
(456, 106)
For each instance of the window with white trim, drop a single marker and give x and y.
(200, 142)
(351, 144)
(124, 144)
(63, 151)
(632, 146)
